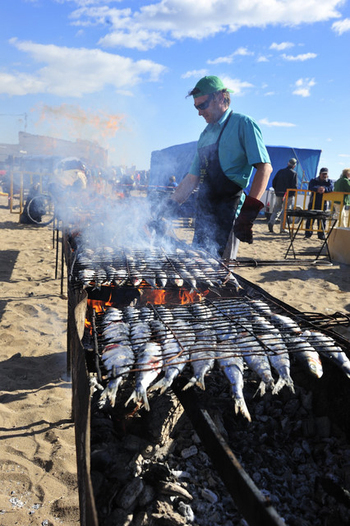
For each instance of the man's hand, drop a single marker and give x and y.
(168, 209)
(243, 225)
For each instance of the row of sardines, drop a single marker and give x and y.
(193, 269)
(152, 345)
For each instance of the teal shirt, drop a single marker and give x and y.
(241, 146)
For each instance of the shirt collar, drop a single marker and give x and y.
(221, 121)
(224, 116)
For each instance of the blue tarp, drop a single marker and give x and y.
(176, 160)
(306, 168)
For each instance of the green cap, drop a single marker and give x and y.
(208, 85)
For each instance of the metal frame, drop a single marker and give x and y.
(314, 215)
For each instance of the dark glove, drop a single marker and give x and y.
(168, 209)
(243, 225)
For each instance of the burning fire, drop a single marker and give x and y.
(147, 296)
(163, 297)
(98, 306)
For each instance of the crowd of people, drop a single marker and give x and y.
(286, 179)
(228, 149)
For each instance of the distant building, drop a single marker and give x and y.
(40, 145)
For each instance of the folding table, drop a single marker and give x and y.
(303, 215)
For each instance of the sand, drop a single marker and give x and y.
(37, 457)
(303, 283)
(38, 479)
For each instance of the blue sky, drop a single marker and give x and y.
(118, 71)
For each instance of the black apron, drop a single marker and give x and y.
(217, 202)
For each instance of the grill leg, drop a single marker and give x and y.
(292, 237)
(62, 264)
(325, 242)
(57, 240)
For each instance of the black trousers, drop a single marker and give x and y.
(310, 223)
(214, 222)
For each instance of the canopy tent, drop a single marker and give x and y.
(176, 160)
(307, 162)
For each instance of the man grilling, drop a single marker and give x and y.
(227, 150)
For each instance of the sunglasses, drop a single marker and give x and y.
(206, 103)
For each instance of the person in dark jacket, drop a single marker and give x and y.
(284, 179)
(318, 186)
(36, 212)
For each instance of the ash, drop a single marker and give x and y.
(150, 468)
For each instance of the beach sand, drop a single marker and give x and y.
(37, 456)
(38, 479)
(303, 283)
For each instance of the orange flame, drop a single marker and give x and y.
(98, 306)
(147, 296)
(162, 297)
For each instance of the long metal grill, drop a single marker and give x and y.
(156, 268)
(152, 345)
(142, 343)
(150, 337)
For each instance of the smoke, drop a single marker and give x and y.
(108, 219)
(73, 122)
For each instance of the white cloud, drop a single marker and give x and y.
(163, 22)
(82, 3)
(342, 26)
(221, 60)
(281, 46)
(140, 39)
(20, 84)
(299, 58)
(76, 71)
(262, 59)
(303, 86)
(276, 124)
(238, 86)
(344, 155)
(241, 51)
(195, 73)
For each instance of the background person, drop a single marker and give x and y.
(343, 185)
(37, 211)
(227, 151)
(285, 178)
(320, 185)
(69, 178)
(172, 182)
(68, 186)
